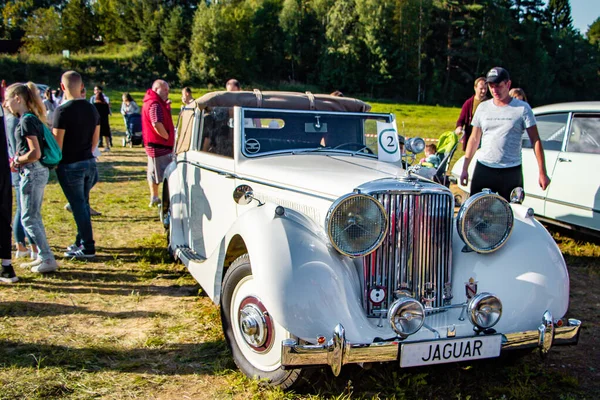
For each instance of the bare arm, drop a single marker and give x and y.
(160, 129)
(59, 135)
(536, 143)
(33, 154)
(96, 137)
(472, 146)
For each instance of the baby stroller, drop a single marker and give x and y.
(447, 144)
(133, 130)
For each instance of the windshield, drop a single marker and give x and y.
(276, 131)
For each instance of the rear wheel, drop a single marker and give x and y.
(252, 334)
(164, 214)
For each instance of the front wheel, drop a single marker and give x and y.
(252, 334)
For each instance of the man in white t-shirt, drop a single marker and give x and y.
(499, 124)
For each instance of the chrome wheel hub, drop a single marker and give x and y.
(255, 324)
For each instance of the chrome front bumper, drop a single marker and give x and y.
(338, 352)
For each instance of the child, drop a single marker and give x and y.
(431, 160)
(24, 101)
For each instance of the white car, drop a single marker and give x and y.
(570, 134)
(320, 252)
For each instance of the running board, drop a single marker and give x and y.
(186, 255)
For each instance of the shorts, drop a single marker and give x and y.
(498, 180)
(157, 167)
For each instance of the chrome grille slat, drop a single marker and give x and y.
(416, 250)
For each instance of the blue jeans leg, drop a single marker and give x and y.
(18, 230)
(76, 180)
(33, 180)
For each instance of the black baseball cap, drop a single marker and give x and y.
(497, 75)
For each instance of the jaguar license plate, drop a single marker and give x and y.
(450, 350)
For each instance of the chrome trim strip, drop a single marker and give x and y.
(339, 352)
(246, 179)
(564, 203)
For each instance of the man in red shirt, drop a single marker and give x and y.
(159, 135)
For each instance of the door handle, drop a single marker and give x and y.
(227, 175)
(561, 159)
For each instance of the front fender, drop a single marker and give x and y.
(305, 284)
(528, 274)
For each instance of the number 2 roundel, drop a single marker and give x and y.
(387, 141)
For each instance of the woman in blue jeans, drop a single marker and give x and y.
(18, 230)
(24, 101)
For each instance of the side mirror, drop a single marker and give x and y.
(243, 195)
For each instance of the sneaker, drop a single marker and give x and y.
(33, 263)
(34, 255)
(8, 274)
(94, 213)
(80, 254)
(74, 247)
(106, 150)
(22, 254)
(155, 201)
(68, 207)
(48, 265)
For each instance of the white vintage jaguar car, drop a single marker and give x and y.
(295, 215)
(570, 135)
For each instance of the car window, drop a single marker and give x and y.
(551, 128)
(584, 136)
(185, 125)
(276, 131)
(217, 131)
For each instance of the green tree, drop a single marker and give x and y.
(43, 32)
(593, 33)
(559, 14)
(175, 37)
(78, 25)
(149, 16)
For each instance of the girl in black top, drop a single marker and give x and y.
(24, 101)
(104, 111)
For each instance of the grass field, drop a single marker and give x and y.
(130, 324)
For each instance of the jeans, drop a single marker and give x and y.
(18, 230)
(32, 182)
(76, 180)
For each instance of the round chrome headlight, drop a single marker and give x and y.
(356, 224)
(485, 222)
(484, 310)
(415, 145)
(406, 316)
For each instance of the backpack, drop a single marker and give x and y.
(51, 152)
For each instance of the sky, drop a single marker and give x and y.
(584, 13)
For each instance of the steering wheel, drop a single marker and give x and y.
(359, 146)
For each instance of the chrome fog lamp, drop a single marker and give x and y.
(485, 222)
(356, 224)
(484, 310)
(415, 145)
(406, 316)
(517, 195)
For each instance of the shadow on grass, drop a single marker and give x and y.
(524, 377)
(167, 359)
(33, 309)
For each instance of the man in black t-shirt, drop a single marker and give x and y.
(77, 129)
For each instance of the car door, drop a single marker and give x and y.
(573, 195)
(211, 182)
(551, 128)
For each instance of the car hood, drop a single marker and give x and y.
(325, 175)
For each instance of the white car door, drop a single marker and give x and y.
(552, 128)
(210, 184)
(574, 193)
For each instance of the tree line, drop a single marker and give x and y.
(427, 51)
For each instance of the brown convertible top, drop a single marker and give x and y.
(284, 100)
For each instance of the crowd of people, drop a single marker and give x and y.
(495, 126)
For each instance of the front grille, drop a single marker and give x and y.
(416, 254)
